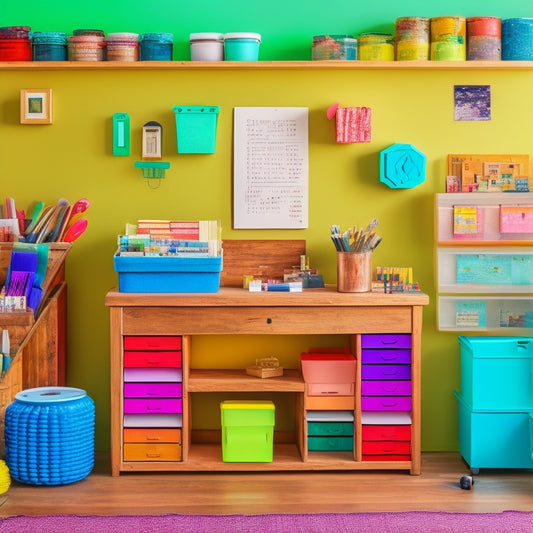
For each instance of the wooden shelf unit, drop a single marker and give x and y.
(235, 311)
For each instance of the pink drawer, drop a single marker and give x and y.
(149, 405)
(152, 359)
(386, 388)
(328, 367)
(386, 433)
(152, 374)
(383, 372)
(152, 342)
(152, 390)
(386, 448)
(384, 356)
(389, 340)
(330, 389)
(386, 403)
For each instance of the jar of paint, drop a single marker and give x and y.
(122, 47)
(207, 46)
(412, 39)
(241, 46)
(49, 46)
(89, 47)
(483, 38)
(517, 39)
(448, 38)
(375, 47)
(15, 43)
(156, 46)
(334, 47)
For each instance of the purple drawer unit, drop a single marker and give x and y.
(385, 356)
(386, 403)
(152, 390)
(386, 388)
(388, 340)
(382, 372)
(149, 405)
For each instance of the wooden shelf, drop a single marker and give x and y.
(266, 65)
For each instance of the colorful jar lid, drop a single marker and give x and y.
(243, 35)
(15, 32)
(50, 394)
(206, 36)
(99, 33)
(123, 36)
(48, 37)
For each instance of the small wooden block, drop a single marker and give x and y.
(262, 372)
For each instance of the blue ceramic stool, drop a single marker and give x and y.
(49, 436)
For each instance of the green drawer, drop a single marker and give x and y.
(326, 429)
(327, 444)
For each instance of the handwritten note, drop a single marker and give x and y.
(271, 167)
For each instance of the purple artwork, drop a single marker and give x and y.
(471, 102)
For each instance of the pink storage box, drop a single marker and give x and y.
(152, 390)
(151, 405)
(328, 367)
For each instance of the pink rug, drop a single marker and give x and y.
(407, 522)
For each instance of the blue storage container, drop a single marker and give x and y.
(156, 46)
(494, 439)
(497, 372)
(168, 274)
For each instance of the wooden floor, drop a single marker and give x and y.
(437, 489)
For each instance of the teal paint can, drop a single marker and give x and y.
(241, 46)
(156, 46)
(49, 46)
(517, 39)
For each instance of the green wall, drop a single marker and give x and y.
(72, 158)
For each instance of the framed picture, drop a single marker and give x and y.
(36, 106)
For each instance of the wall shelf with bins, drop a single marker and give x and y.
(484, 261)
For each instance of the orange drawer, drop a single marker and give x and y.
(152, 359)
(338, 403)
(153, 435)
(152, 452)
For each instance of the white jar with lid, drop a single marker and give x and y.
(207, 46)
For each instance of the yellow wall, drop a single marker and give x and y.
(72, 158)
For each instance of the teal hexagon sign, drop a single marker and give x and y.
(402, 166)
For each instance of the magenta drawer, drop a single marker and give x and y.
(152, 359)
(152, 342)
(330, 389)
(386, 403)
(152, 390)
(149, 405)
(386, 356)
(381, 372)
(389, 340)
(386, 388)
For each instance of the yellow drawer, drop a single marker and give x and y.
(152, 452)
(152, 435)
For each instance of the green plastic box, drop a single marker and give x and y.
(196, 128)
(247, 431)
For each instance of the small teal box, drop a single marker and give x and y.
(196, 128)
(168, 274)
(497, 372)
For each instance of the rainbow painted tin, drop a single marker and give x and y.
(334, 47)
(412, 38)
(448, 38)
(375, 47)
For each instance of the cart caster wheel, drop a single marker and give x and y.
(474, 471)
(466, 482)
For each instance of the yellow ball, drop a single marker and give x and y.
(5, 478)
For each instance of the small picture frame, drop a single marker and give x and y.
(36, 106)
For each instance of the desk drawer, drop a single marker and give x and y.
(152, 435)
(152, 452)
(154, 359)
(386, 448)
(151, 405)
(399, 357)
(386, 388)
(386, 403)
(337, 444)
(330, 389)
(326, 429)
(337, 403)
(152, 342)
(386, 433)
(383, 372)
(388, 340)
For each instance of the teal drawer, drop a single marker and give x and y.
(325, 444)
(326, 429)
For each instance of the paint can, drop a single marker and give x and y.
(375, 47)
(412, 38)
(156, 46)
(15, 43)
(241, 46)
(483, 38)
(207, 46)
(87, 45)
(334, 47)
(49, 46)
(448, 38)
(517, 39)
(122, 47)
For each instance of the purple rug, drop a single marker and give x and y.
(406, 522)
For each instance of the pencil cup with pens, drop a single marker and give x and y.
(354, 257)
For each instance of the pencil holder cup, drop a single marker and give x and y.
(354, 271)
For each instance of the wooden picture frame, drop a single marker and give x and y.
(36, 106)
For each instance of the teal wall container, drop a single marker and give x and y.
(196, 128)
